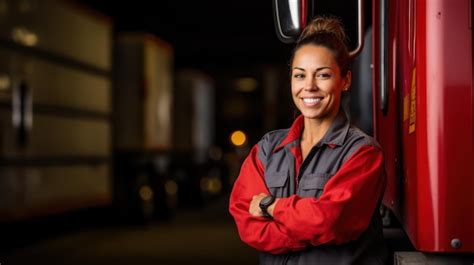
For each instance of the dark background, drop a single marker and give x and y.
(226, 40)
(214, 33)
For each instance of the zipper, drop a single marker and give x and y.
(305, 163)
(293, 184)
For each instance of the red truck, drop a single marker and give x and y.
(421, 86)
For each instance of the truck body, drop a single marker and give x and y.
(421, 84)
(425, 123)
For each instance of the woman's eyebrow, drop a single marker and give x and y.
(322, 68)
(318, 69)
(299, 68)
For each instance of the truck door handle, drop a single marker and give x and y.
(360, 29)
(383, 48)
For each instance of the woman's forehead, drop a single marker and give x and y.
(315, 57)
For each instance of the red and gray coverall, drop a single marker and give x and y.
(328, 207)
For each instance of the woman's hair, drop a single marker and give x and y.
(327, 32)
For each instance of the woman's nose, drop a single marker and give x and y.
(311, 84)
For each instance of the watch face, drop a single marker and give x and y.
(265, 202)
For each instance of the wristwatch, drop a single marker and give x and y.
(265, 203)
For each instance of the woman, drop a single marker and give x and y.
(309, 194)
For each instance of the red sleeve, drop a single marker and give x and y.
(346, 206)
(260, 233)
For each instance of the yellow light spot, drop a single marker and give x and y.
(238, 138)
(5, 82)
(24, 36)
(215, 186)
(171, 187)
(246, 84)
(146, 193)
(211, 185)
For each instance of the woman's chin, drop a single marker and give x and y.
(312, 115)
(316, 114)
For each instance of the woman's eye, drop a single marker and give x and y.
(298, 76)
(323, 76)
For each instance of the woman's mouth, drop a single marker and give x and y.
(312, 101)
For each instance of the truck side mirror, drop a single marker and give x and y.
(290, 17)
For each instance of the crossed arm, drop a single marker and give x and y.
(340, 215)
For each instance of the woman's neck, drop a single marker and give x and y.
(315, 129)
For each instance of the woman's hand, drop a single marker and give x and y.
(254, 208)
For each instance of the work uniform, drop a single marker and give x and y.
(327, 211)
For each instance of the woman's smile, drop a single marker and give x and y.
(312, 101)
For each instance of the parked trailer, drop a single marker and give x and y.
(77, 132)
(55, 108)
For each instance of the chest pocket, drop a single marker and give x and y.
(312, 185)
(277, 183)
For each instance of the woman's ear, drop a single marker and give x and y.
(347, 80)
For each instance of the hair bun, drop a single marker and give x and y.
(328, 25)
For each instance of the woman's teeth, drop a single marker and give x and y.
(311, 100)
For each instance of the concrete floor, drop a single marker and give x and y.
(204, 236)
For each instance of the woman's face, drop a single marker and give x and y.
(316, 82)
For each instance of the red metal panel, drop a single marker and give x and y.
(415, 164)
(445, 132)
(431, 117)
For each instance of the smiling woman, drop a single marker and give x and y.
(316, 83)
(309, 194)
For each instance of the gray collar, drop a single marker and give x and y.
(336, 135)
